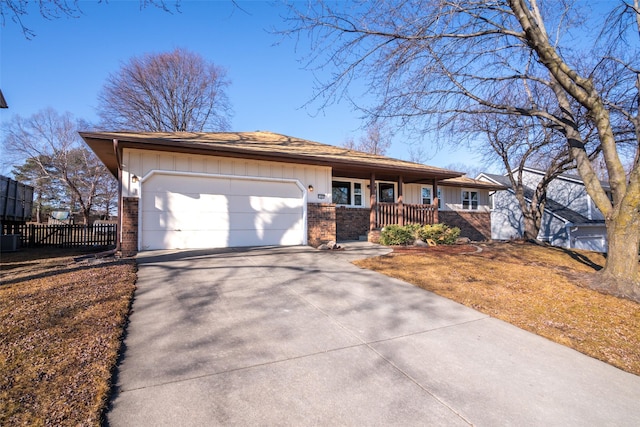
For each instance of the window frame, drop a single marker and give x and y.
(422, 198)
(469, 200)
(351, 193)
(379, 192)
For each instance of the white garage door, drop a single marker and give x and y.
(205, 211)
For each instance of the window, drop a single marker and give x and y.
(426, 196)
(341, 193)
(347, 193)
(357, 194)
(469, 199)
(386, 192)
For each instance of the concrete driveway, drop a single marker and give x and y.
(295, 336)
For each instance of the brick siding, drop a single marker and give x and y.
(351, 223)
(321, 223)
(129, 242)
(474, 225)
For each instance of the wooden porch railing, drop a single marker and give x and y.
(397, 213)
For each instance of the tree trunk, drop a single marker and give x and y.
(621, 269)
(531, 228)
(86, 213)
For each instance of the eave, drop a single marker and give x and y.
(265, 146)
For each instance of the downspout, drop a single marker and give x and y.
(568, 226)
(119, 164)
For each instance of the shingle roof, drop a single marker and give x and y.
(260, 145)
(463, 181)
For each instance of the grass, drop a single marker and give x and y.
(539, 289)
(61, 322)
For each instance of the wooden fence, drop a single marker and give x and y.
(36, 235)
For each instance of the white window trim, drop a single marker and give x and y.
(470, 208)
(363, 187)
(430, 188)
(439, 196)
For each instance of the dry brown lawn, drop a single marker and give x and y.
(536, 288)
(61, 323)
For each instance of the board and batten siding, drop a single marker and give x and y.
(142, 162)
(451, 197)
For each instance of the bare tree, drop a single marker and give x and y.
(470, 171)
(49, 142)
(519, 142)
(376, 141)
(17, 10)
(175, 91)
(431, 63)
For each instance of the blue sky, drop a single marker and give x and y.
(66, 64)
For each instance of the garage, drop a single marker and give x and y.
(194, 211)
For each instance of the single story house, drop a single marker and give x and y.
(570, 220)
(230, 189)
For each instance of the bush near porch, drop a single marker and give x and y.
(396, 235)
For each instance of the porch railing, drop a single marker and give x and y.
(403, 214)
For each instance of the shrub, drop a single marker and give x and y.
(394, 235)
(442, 234)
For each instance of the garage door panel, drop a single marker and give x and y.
(184, 221)
(183, 202)
(241, 221)
(263, 204)
(194, 184)
(187, 239)
(222, 239)
(257, 188)
(212, 212)
(264, 238)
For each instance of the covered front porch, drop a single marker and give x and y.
(366, 205)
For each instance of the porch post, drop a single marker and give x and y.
(435, 200)
(399, 205)
(372, 202)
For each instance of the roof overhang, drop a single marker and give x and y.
(464, 182)
(263, 146)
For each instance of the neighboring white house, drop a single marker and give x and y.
(571, 218)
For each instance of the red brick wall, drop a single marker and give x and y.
(129, 244)
(351, 223)
(474, 225)
(321, 223)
